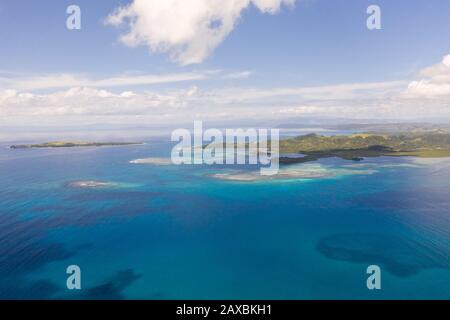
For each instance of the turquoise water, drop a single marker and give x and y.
(175, 232)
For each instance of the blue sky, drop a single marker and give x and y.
(316, 43)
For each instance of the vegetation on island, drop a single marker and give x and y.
(65, 144)
(358, 146)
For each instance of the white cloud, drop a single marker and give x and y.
(352, 100)
(425, 97)
(65, 80)
(52, 81)
(434, 81)
(427, 88)
(87, 102)
(331, 92)
(238, 75)
(189, 31)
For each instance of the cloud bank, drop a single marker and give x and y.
(424, 97)
(434, 82)
(189, 31)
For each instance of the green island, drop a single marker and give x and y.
(358, 146)
(66, 144)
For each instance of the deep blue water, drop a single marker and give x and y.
(174, 232)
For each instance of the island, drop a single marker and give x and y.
(155, 161)
(356, 147)
(91, 184)
(66, 144)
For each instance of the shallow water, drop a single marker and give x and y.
(176, 232)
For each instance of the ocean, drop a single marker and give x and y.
(159, 231)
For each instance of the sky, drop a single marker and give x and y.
(153, 62)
